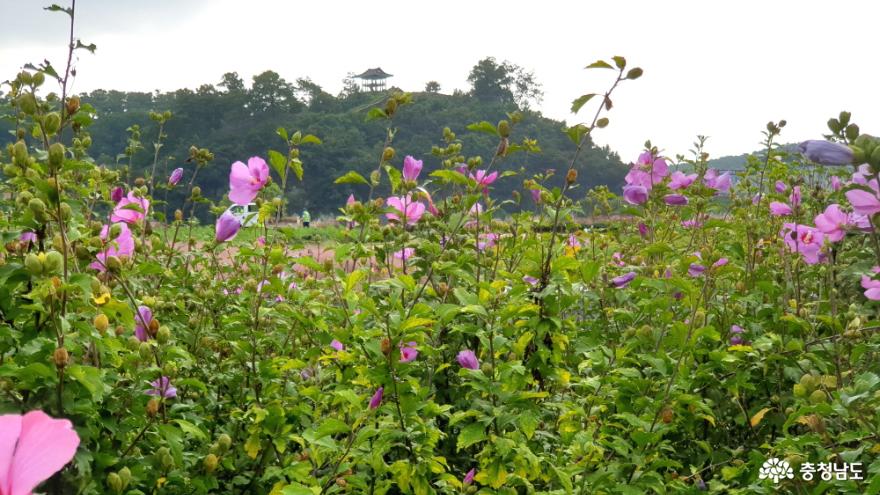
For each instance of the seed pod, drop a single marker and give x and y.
(145, 351)
(196, 192)
(37, 206)
(571, 176)
(119, 330)
(114, 264)
(51, 123)
(178, 215)
(38, 78)
(20, 153)
(153, 328)
(61, 357)
(385, 345)
(102, 323)
(817, 397)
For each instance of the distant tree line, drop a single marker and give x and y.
(236, 121)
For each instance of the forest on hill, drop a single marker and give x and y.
(235, 121)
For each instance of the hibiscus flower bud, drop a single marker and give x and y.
(210, 463)
(152, 407)
(101, 323)
(62, 357)
(153, 328)
(33, 264)
(387, 154)
(178, 215)
(224, 441)
(27, 103)
(163, 335)
(145, 351)
(119, 330)
(72, 105)
(341, 482)
(390, 107)
(196, 192)
(571, 176)
(385, 346)
(51, 124)
(54, 263)
(114, 264)
(115, 482)
(504, 128)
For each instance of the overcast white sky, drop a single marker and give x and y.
(719, 68)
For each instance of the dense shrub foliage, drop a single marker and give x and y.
(437, 346)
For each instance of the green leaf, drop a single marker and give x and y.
(376, 113)
(311, 139)
(600, 64)
(483, 126)
(191, 429)
(278, 162)
(352, 177)
(471, 434)
(580, 101)
(331, 426)
(452, 176)
(619, 61)
(90, 378)
(282, 132)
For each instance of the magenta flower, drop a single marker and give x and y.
(675, 199)
(530, 280)
(778, 209)
(469, 477)
(635, 195)
(175, 177)
(691, 224)
(835, 183)
(405, 254)
(826, 152)
(720, 183)
(408, 352)
(337, 345)
(680, 180)
(655, 168)
(805, 240)
(623, 280)
(643, 230)
(27, 236)
(536, 195)
(142, 322)
(350, 201)
(405, 208)
(720, 262)
(467, 359)
(124, 213)
(871, 286)
(833, 222)
(736, 329)
(226, 227)
(117, 194)
(487, 241)
(736, 340)
(411, 168)
(696, 269)
(795, 196)
(863, 202)
(377, 398)
(33, 447)
(618, 259)
(121, 247)
(245, 181)
(162, 388)
(780, 187)
(484, 179)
